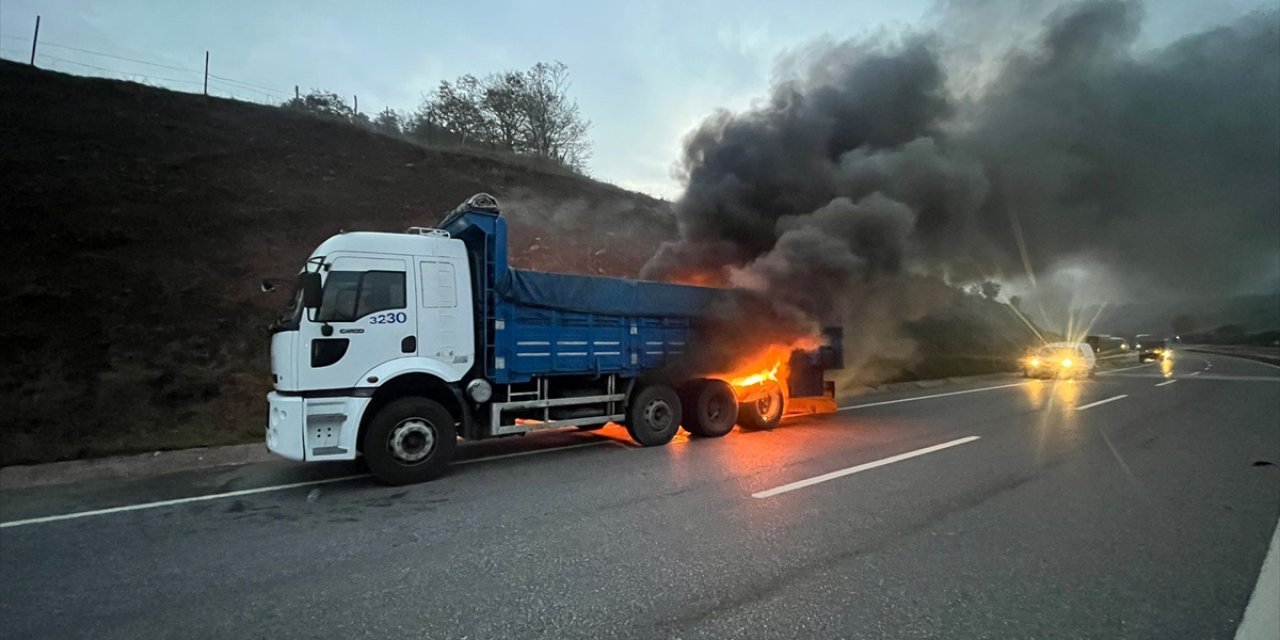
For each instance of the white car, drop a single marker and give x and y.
(1061, 360)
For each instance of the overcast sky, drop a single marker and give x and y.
(644, 72)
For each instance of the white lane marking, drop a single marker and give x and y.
(176, 501)
(520, 454)
(1103, 373)
(1195, 373)
(1111, 399)
(1166, 382)
(1262, 615)
(246, 492)
(800, 484)
(936, 395)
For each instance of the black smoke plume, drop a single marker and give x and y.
(866, 168)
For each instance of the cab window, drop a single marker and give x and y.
(350, 295)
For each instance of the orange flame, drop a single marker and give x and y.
(771, 363)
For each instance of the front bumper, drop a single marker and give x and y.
(314, 429)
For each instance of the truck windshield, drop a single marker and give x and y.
(350, 295)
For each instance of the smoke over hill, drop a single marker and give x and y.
(1154, 169)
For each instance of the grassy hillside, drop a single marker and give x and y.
(139, 222)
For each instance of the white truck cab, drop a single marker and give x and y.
(390, 304)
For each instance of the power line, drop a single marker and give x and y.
(125, 73)
(228, 85)
(109, 55)
(241, 87)
(153, 64)
(235, 92)
(248, 84)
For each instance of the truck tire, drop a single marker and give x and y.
(654, 415)
(409, 440)
(710, 408)
(764, 413)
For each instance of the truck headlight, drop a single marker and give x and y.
(1035, 362)
(480, 390)
(1066, 363)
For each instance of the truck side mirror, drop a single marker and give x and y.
(311, 291)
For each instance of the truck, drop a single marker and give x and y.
(395, 346)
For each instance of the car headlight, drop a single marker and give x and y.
(1035, 362)
(1066, 363)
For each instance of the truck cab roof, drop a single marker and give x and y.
(422, 242)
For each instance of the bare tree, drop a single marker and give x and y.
(554, 129)
(455, 109)
(502, 106)
(527, 112)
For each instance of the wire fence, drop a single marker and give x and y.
(81, 61)
(175, 77)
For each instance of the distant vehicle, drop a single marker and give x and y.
(1150, 347)
(1061, 360)
(1094, 342)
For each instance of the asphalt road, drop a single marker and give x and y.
(1049, 514)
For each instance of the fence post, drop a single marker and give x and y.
(206, 72)
(35, 38)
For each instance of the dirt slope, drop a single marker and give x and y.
(138, 222)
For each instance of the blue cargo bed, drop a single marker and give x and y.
(554, 323)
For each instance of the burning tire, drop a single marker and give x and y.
(654, 415)
(710, 408)
(409, 440)
(765, 412)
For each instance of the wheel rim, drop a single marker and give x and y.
(715, 410)
(769, 405)
(412, 441)
(658, 415)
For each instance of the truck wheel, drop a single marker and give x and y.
(710, 408)
(409, 440)
(764, 413)
(654, 415)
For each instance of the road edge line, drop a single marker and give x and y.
(1261, 618)
(175, 501)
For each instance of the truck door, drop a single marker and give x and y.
(444, 325)
(366, 317)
